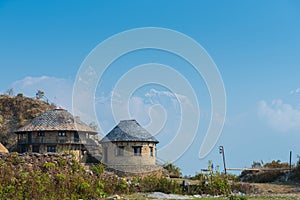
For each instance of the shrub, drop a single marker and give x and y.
(98, 169)
(160, 184)
(264, 176)
(122, 187)
(173, 170)
(46, 180)
(61, 162)
(295, 175)
(49, 165)
(214, 183)
(232, 197)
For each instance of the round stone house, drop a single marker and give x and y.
(128, 147)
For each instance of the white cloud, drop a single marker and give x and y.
(280, 116)
(154, 94)
(296, 91)
(151, 110)
(57, 90)
(152, 116)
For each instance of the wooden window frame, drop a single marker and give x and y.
(151, 151)
(62, 134)
(41, 133)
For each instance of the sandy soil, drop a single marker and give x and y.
(277, 188)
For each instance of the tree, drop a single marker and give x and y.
(276, 164)
(173, 170)
(10, 92)
(257, 164)
(41, 95)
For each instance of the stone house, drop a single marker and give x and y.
(55, 131)
(128, 147)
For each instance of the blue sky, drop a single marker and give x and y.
(255, 45)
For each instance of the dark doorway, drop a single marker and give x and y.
(29, 137)
(76, 137)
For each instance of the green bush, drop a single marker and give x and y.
(232, 197)
(295, 175)
(49, 165)
(98, 169)
(47, 180)
(214, 182)
(173, 170)
(264, 176)
(153, 183)
(67, 179)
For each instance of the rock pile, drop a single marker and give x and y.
(36, 160)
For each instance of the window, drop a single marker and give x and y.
(62, 134)
(151, 151)
(137, 151)
(76, 137)
(120, 151)
(41, 133)
(51, 148)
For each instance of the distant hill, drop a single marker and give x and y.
(15, 111)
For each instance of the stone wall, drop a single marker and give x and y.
(141, 171)
(37, 159)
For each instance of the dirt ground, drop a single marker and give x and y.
(264, 192)
(265, 188)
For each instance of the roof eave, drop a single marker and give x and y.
(106, 141)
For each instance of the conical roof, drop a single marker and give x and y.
(3, 149)
(129, 131)
(56, 120)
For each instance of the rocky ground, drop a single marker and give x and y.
(277, 188)
(263, 192)
(15, 111)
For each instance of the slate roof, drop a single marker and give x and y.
(56, 120)
(129, 131)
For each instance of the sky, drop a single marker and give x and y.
(255, 46)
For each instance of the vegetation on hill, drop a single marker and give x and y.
(173, 170)
(266, 176)
(53, 176)
(45, 178)
(295, 175)
(37, 176)
(15, 111)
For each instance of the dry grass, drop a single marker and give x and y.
(142, 196)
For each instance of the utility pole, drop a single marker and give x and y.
(222, 151)
(290, 161)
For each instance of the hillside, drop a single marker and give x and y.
(15, 111)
